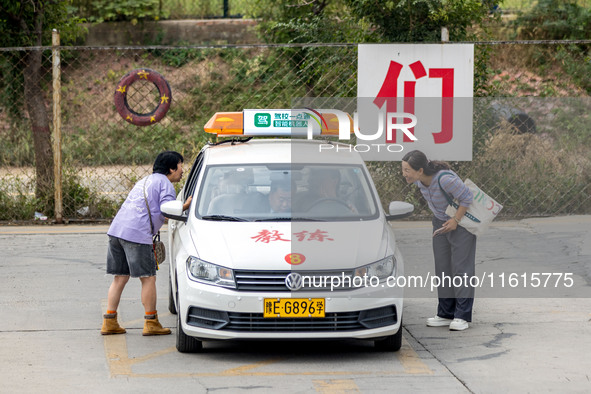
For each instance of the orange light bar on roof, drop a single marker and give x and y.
(280, 122)
(225, 123)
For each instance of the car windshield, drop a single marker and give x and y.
(286, 192)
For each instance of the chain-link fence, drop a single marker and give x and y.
(532, 154)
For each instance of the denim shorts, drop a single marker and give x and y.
(126, 258)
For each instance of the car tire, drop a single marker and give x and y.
(184, 342)
(171, 304)
(393, 343)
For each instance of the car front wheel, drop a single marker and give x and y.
(171, 304)
(393, 343)
(184, 342)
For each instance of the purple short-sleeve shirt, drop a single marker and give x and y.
(132, 222)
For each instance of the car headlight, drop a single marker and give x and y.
(381, 269)
(202, 271)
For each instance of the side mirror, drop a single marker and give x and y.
(399, 210)
(173, 210)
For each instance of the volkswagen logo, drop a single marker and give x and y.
(294, 281)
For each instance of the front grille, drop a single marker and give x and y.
(255, 322)
(275, 280)
(261, 280)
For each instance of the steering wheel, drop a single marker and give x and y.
(328, 200)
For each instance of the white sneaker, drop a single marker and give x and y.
(438, 322)
(458, 325)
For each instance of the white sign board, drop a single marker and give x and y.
(415, 96)
(280, 122)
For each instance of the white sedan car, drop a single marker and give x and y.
(283, 240)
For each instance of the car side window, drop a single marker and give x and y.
(193, 175)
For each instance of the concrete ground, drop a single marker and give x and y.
(523, 338)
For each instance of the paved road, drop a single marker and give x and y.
(53, 290)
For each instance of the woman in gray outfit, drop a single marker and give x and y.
(454, 248)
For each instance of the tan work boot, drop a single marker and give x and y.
(153, 327)
(111, 325)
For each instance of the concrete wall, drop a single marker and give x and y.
(194, 32)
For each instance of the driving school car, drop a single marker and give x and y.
(284, 239)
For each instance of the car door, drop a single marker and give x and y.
(176, 226)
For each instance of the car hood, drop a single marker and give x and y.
(308, 245)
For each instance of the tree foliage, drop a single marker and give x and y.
(363, 21)
(559, 20)
(119, 10)
(295, 22)
(555, 20)
(29, 24)
(369, 20)
(419, 20)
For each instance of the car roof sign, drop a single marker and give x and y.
(278, 122)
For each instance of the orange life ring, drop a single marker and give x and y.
(121, 97)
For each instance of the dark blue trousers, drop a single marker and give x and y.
(455, 256)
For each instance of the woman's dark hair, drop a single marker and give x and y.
(166, 161)
(417, 160)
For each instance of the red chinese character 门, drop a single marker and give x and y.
(267, 236)
(388, 94)
(447, 105)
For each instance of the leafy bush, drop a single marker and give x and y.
(17, 201)
(181, 9)
(77, 198)
(560, 20)
(555, 20)
(420, 20)
(118, 10)
(576, 61)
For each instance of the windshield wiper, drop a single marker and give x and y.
(277, 219)
(289, 219)
(224, 218)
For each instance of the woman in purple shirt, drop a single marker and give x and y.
(130, 252)
(454, 248)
